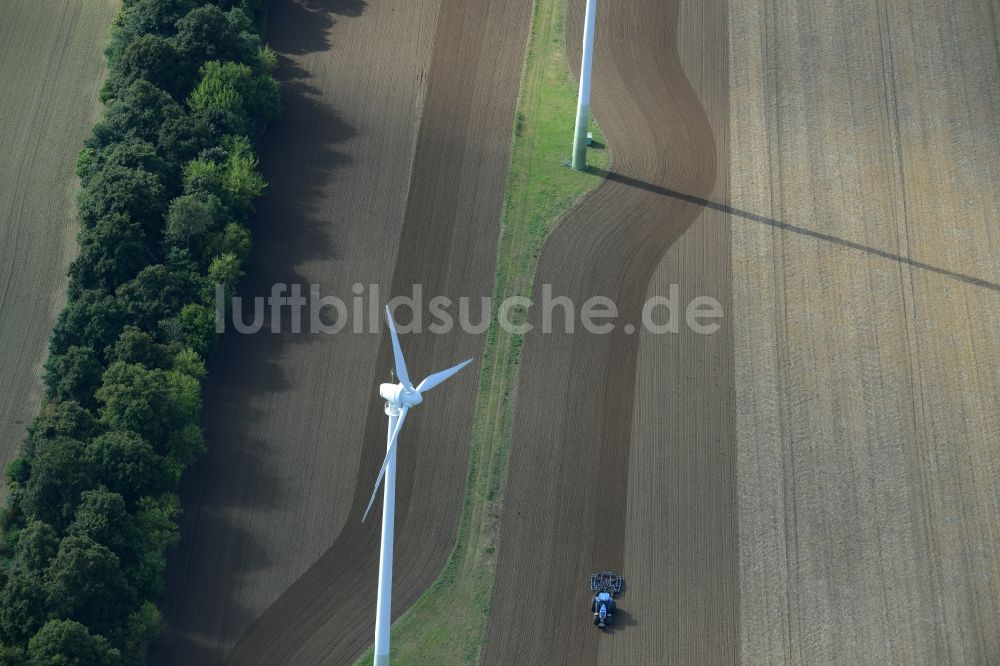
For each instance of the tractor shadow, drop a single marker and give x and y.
(622, 617)
(620, 622)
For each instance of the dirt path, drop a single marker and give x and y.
(868, 360)
(292, 441)
(567, 509)
(51, 67)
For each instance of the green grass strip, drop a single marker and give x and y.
(447, 624)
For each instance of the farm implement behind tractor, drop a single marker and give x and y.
(605, 585)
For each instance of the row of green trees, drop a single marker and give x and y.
(168, 181)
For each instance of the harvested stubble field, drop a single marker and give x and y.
(51, 67)
(865, 161)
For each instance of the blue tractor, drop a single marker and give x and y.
(605, 585)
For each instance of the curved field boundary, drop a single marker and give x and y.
(447, 245)
(446, 625)
(567, 489)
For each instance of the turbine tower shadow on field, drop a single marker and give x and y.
(786, 226)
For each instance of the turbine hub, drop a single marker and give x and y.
(400, 396)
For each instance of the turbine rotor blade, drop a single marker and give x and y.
(433, 380)
(385, 463)
(397, 351)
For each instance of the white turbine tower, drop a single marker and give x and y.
(398, 400)
(583, 101)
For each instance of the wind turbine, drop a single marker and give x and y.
(583, 100)
(399, 398)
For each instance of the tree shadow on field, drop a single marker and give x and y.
(345, 7)
(292, 227)
(189, 632)
(303, 26)
(200, 590)
(290, 224)
(238, 484)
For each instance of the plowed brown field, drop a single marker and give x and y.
(852, 390)
(849, 399)
(388, 167)
(569, 503)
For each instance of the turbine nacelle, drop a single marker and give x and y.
(399, 395)
(399, 399)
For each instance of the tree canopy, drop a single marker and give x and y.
(168, 180)
(59, 475)
(68, 643)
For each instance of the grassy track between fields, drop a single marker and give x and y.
(446, 625)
